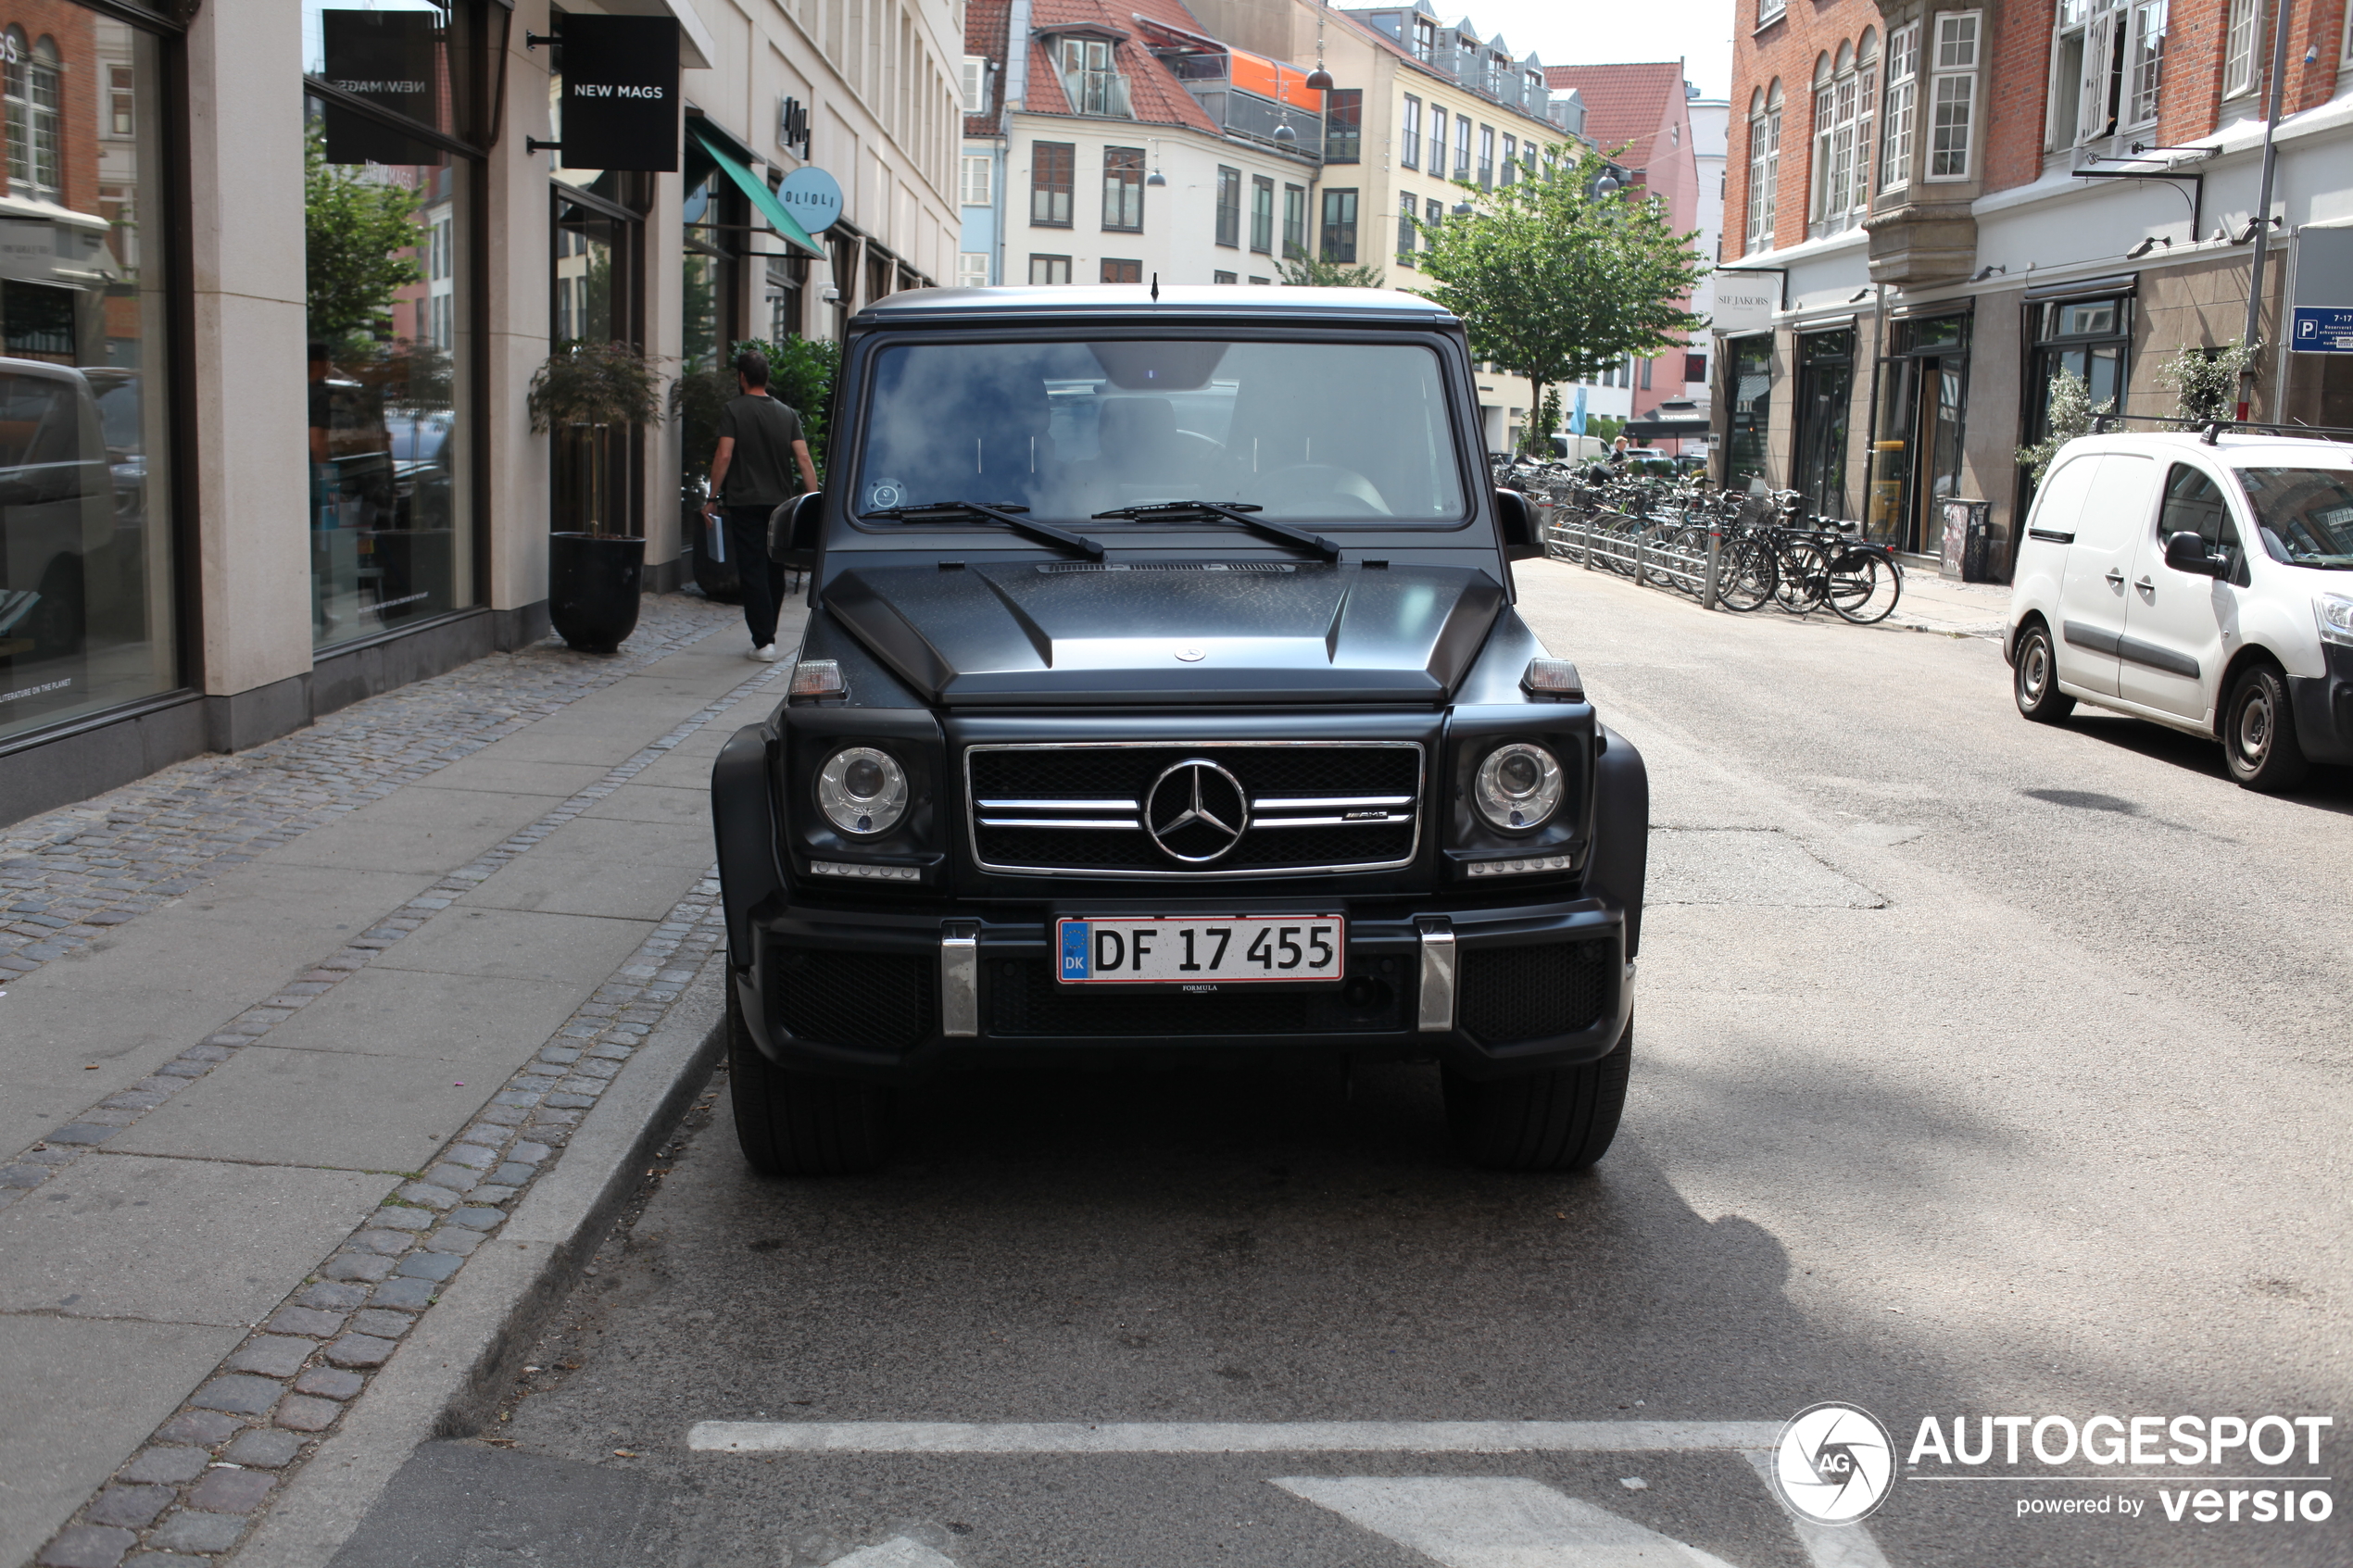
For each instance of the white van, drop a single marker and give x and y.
(2203, 584)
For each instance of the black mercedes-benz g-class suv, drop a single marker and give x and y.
(1162, 696)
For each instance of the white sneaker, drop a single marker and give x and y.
(765, 653)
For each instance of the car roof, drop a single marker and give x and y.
(1175, 301)
(2251, 447)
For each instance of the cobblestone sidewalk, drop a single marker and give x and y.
(67, 875)
(196, 1487)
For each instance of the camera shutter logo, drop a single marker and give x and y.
(1834, 1464)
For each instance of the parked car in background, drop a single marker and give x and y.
(2206, 585)
(56, 517)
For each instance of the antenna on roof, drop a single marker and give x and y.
(1155, 288)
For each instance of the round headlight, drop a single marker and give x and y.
(1518, 787)
(863, 791)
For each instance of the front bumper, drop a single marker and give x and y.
(1491, 991)
(2323, 706)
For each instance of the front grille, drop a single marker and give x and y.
(1082, 809)
(1024, 999)
(1509, 993)
(866, 1001)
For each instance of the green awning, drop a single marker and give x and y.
(762, 199)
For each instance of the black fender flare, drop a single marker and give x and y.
(1621, 832)
(743, 825)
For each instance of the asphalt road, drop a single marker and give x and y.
(1983, 1069)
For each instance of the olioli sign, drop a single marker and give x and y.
(621, 92)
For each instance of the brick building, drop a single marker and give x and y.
(1954, 205)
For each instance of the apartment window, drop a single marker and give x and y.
(1433, 211)
(1486, 157)
(1339, 226)
(2239, 47)
(1425, 39)
(979, 183)
(120, 121)
(1770, 10)
(1294, 221)
(1343, 124)
(1510, 159)
(1124, 189)
(1115, 271)
(1462, 148)
(1050, 268)
(1903, 93)
(1261, 282)
(2145, 63)
(1436, 143)
(1407, 207)
(1409, 133)
(1224, 278)
(976, 84)
(35, 130)
(1052, 168)
(1952, 95)
(1091, 80)
(972, 269)
(1764, 164)
(1229, 206)
(1843, 93)
(1262, 214)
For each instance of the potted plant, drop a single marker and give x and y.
(588, 396)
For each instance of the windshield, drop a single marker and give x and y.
(2304, 515)
(1324, 432)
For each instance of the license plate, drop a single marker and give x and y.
(1190, 950)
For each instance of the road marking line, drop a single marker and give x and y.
(1226, 1437)
(1827, 1546)
(1495, 1521)
(899, 1551)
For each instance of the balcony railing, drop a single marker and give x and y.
(1098, 91)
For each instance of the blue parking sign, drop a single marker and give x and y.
(2321, 329)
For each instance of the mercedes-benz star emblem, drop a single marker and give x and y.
(1190, 656)
(1196, 811)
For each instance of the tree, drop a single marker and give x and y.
(1304, 271)
(359, 246)
(1558, 282)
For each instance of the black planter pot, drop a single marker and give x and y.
(592, 588)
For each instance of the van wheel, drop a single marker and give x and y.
(2258, 733)
(792, 1123)
(1560, 1120)
(2034, 677)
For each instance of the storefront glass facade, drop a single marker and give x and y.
(1916, 463)
(88, 582)
(1748, 368)
(1825, 396)
(389, 183)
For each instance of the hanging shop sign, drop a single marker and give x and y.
(813, 196)
(621, 92)
(387, 58)
(1741, 302)
(792, 127)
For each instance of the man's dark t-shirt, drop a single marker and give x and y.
(761, 472)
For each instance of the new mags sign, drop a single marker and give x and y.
(621, 92)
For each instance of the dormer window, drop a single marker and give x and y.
(1091, 77)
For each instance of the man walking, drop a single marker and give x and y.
(760, 443)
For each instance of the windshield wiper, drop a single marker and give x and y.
(951, 511)
(1237, 512)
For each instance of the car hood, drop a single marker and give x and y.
(1057, 632)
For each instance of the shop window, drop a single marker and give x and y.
(1339, 226)
(1825, 398)
(2091, 339)
(88, 567)
(1122, 271)
(394, 360)
(1051, 172)
(1749, 364)
(1229, 206)
(1262, 214)
(1343, 124)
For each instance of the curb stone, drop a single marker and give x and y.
(463, 1354)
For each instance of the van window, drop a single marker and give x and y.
(2194, 504)
(2117, 504)
(2059, 504)
(2306, 515)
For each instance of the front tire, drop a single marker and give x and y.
(1562, 1119)
(2034, 677)
(2258, 733)
(791, 1124)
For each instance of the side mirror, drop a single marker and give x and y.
(1516, 522)
(2187, 552)
(793, 531)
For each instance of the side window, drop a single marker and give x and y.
(2194, 504)
(2058, 505)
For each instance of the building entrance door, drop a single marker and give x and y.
(1916, 458)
